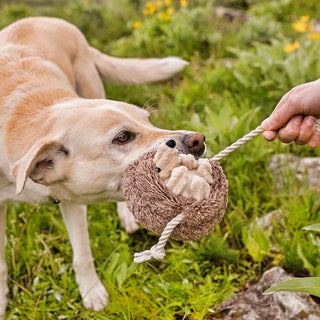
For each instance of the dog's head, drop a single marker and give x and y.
(90, 144)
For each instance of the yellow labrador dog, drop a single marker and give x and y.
(60, 139)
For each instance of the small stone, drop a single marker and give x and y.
(230, 14)
(294, 171)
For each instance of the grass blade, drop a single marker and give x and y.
(313, 227)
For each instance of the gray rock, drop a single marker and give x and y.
(230, 14)
(253, 305)
(293, 171)
(266, 225)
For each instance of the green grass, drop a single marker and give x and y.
(238, 71)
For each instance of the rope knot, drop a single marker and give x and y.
(155, 252)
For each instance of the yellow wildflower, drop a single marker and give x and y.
(183, 3)
(137, 25)
(85, 2)
(149, 9)
(290, 47)
(158, 4)
(164, 16)
(170, 11)
(277, 259)
(304, 18)
(167, 2)
(302, 25)
(314, 36)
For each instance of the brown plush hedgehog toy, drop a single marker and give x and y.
(174, 194)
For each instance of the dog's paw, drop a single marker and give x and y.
(4, 291)
(3, 303)
(130, 225)
(94, 297)
(127, 219)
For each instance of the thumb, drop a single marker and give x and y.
(276, 120)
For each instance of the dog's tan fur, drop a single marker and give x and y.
(60, 138)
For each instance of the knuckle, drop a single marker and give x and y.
(288, 135)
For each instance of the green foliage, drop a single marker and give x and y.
(12, 13)
(265, 72)
(309, 285)
(238, 71)
(94, 19)
(181, 35)
(273, 10)
(257, 243)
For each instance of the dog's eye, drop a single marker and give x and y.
(123, 137)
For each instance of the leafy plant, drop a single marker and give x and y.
(309, 285)
(256, 242)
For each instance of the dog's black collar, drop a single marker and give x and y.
(53, 200)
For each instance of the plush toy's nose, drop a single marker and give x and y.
(171, 143)
(195, 143)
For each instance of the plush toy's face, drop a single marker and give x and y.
(183, 174)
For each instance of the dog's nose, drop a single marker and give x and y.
(195, 143)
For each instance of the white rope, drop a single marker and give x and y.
(157, 251)
(237, 144)
(246, 138)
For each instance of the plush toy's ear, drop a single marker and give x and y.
(43, 163)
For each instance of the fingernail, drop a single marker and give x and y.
(265, 124)
(297, 120)
(315, 140)
(269, 135)
(310, 121)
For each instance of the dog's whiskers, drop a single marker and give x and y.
(150, 104)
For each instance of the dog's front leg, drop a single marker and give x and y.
(93, 293)
(3, 266)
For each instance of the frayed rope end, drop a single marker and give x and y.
(157, 251)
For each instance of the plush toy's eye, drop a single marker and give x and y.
(123, 137)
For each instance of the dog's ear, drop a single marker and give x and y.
(43, 163)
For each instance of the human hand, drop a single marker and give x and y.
(294, 117)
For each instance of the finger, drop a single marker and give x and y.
(277, 119)
(306, 130)
(314, 142)
(291, 131)
(270, 135)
